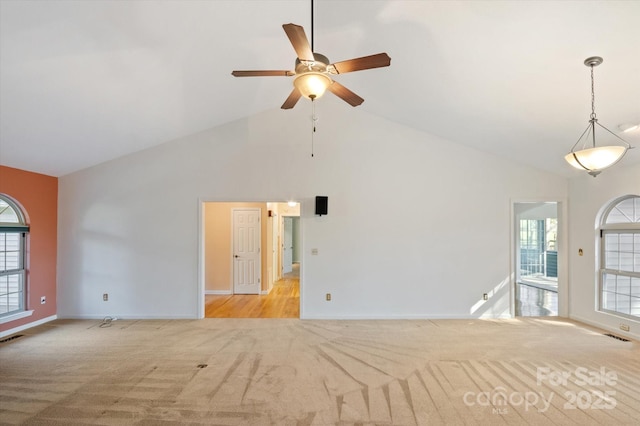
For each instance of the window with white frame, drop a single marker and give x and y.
(13, 231)
(620, 258)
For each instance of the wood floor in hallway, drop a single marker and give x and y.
(282, 302)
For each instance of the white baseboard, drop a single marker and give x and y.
(389, 317)
(26, 326)
(128, 317)
(228, 292)
(606, 327)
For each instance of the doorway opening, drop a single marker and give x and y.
(242, 259)
(536, 256)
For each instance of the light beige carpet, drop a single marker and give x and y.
(293, 372)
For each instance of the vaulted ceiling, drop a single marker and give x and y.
(82, 82)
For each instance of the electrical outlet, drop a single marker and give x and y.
(43, 300)
(328, 296)
(624, 327)
(485, 296)
(105, 297)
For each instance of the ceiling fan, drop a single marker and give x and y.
(313, 70)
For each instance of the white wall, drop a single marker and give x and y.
(588, 196)
(297, 240)
(130, 227)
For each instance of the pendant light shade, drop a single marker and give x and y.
(596, 159)
(589, 157)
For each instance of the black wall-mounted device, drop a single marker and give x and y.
(321, 205)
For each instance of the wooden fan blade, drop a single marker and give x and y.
(299, 40)
(292, 99)
(345, 94)
(364, 63)
(263, 73)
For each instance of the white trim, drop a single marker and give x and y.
(201, 259)
(563, 258)
(132, 317)
(602, 229)
(26, 326)
(16, 316)
(265, 292)
(602, 222)
(220, 292)
(401, 317)
(201, 224)
(232, 274)
(606, 327)
(562, 249)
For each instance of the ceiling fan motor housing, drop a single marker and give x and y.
(319, 64)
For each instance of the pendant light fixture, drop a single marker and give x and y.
(589, 157)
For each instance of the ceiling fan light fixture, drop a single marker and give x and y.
(313, 70)
(312, 85)
(591, 158)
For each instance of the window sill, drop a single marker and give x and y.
(14, 317)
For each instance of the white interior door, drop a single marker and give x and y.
(246, 251)
(287, 245)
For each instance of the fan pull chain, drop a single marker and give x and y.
(313, 124)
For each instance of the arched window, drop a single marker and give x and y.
(13, 231)
(620, 258)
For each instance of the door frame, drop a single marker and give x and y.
(563, 266)
(201, 243)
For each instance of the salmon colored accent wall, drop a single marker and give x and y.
(37, 195)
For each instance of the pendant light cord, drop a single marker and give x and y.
(593, 119)
(593, 97)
